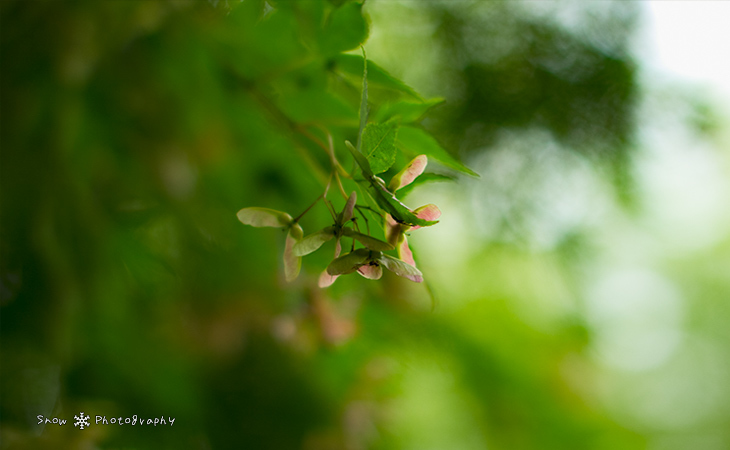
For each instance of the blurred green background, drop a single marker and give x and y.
(577, 292)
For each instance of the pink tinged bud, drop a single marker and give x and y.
(349, 207)
(427, 212)
(393, 230)
(372, 272)
(405, 253)
(326, 280)
(409, 173)
(292, 263)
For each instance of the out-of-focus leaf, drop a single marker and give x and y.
(371, 271)
(313, 106)
(264, 217)
(349, 262)
(368, 241)
(314, 241)
(405, 111)
(378, 145)
(251, 49)
(415, 140)
(409, 173)
(352, 64)
(401, 269)
(346, 29)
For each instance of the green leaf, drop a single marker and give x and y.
(360, 160)
(313, 241)
(405, 111)
(400, 212)
(418, 141)
(264, 217)
(352, 64)
(378, 145)
(346, 29)
(400, 268)
(422, 179)
(368, 241)
(350, 262)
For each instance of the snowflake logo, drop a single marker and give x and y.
(82, 421)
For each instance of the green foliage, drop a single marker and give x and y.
(345, 29)
(416, 141)
(375, 154)
(379, 145)
(353, 64)
(406, 111)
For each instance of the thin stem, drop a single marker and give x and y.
(339, 185)
(330, 149)
(335, 164)
(312, 138)
(367, 222)
(369, 209)
(327, 187)
(308, 208)
(330, 209)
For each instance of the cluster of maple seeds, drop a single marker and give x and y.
(369, 260)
